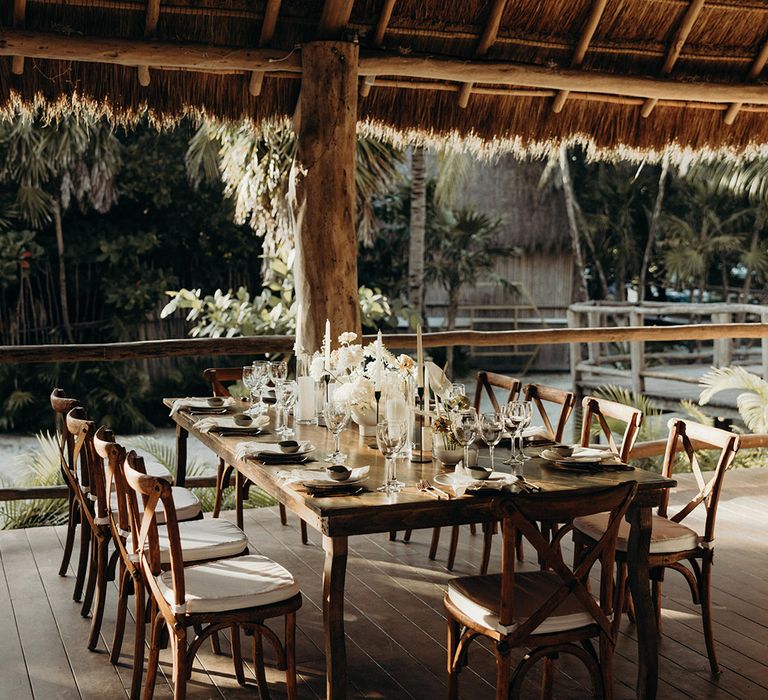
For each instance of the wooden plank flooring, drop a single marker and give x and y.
(394, 619)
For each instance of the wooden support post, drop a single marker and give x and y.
(323, 192)
(19, 16)
(764, 347)
(637, 356)
(150, 27)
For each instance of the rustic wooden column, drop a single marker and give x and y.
(323, 189)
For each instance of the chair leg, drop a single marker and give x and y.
(706, 614)
(82, 562)
(606, 668)
(407, 535)
(120, 615)
(283, 514)
(392, 535)
(547, 677)
(619, 597)
(239, 499)
(222, 478)
(237, 657)
(138, 641)
(154, 654)
(434, 543)
(656, 582)
(290, 656)
(454, 546)
(93, 571)
(101, 592)
(304, 535)
(487, 544)
(69, 542)
(180, 662)
(258, 664)
(503, 674)
(519, 547)
(472, 529)
(454, 633)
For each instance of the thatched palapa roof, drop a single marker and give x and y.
(638, 74)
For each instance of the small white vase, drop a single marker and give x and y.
(447, 457)
(365, 417)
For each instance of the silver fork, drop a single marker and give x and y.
(425, 487)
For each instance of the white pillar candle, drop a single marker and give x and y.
(327, 345)
(379, 363)
(397, 409)
(419, 358)
(305, 408)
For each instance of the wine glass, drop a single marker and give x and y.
(517, 417)
(260, 378)
(336, 418)
(390, 437)
(464, 425)
(251, 383)
(289, 392)
(491, 429)
(278, 372)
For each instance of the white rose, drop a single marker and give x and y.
(317, 367)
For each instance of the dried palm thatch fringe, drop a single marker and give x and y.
(631, 38)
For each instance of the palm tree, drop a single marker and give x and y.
(462, 247)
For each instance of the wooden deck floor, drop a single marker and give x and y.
(394, 619)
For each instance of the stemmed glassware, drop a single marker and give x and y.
(278, 372)
(465, 428)
(390, 437)
(260, 376)
(251, 381)
(337, 415)
(491, 430)
(517, 417)
(285, 398)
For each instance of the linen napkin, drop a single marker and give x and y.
(192, 402)
(209, 423)
(294, 475)
(254, 449)
(462, 483)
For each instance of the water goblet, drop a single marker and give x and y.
(337, 416)
(261, 377)
(517, 417)
(464, 426)
(251, 382)
(278, 371)
(290, 392)
(390, 437)
(491, 430)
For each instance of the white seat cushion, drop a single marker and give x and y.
(214, 538)
(232, 584)
(187, 505)
(479, 598)
(666, 536)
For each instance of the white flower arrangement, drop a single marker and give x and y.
(355, 369)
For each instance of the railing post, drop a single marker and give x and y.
(637, 355)
(722, 347)
(593, 318)
(764, 347)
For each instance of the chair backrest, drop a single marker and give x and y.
(566, 400)
(690, 436)
(113, 456)
(153, 491)
(520, 514)
(603, 410)
(218, 377)
(62, 405)
(486, 381)
(91, 468)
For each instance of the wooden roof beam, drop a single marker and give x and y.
(150, 28)
(208, 57)
(267, 34)
(378, 39)
(598, 7)
(487, 40)
(676, 47)
(754, 71)
(19, 16)
(334, 18)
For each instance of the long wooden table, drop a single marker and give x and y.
(339, 517)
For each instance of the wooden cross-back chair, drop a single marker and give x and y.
(565, 400)
(674, 544)
(603, 411)
(220, 378)
(239, 592)
(76, 497)
(549, 612)
(485, 383)
(201, 540)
